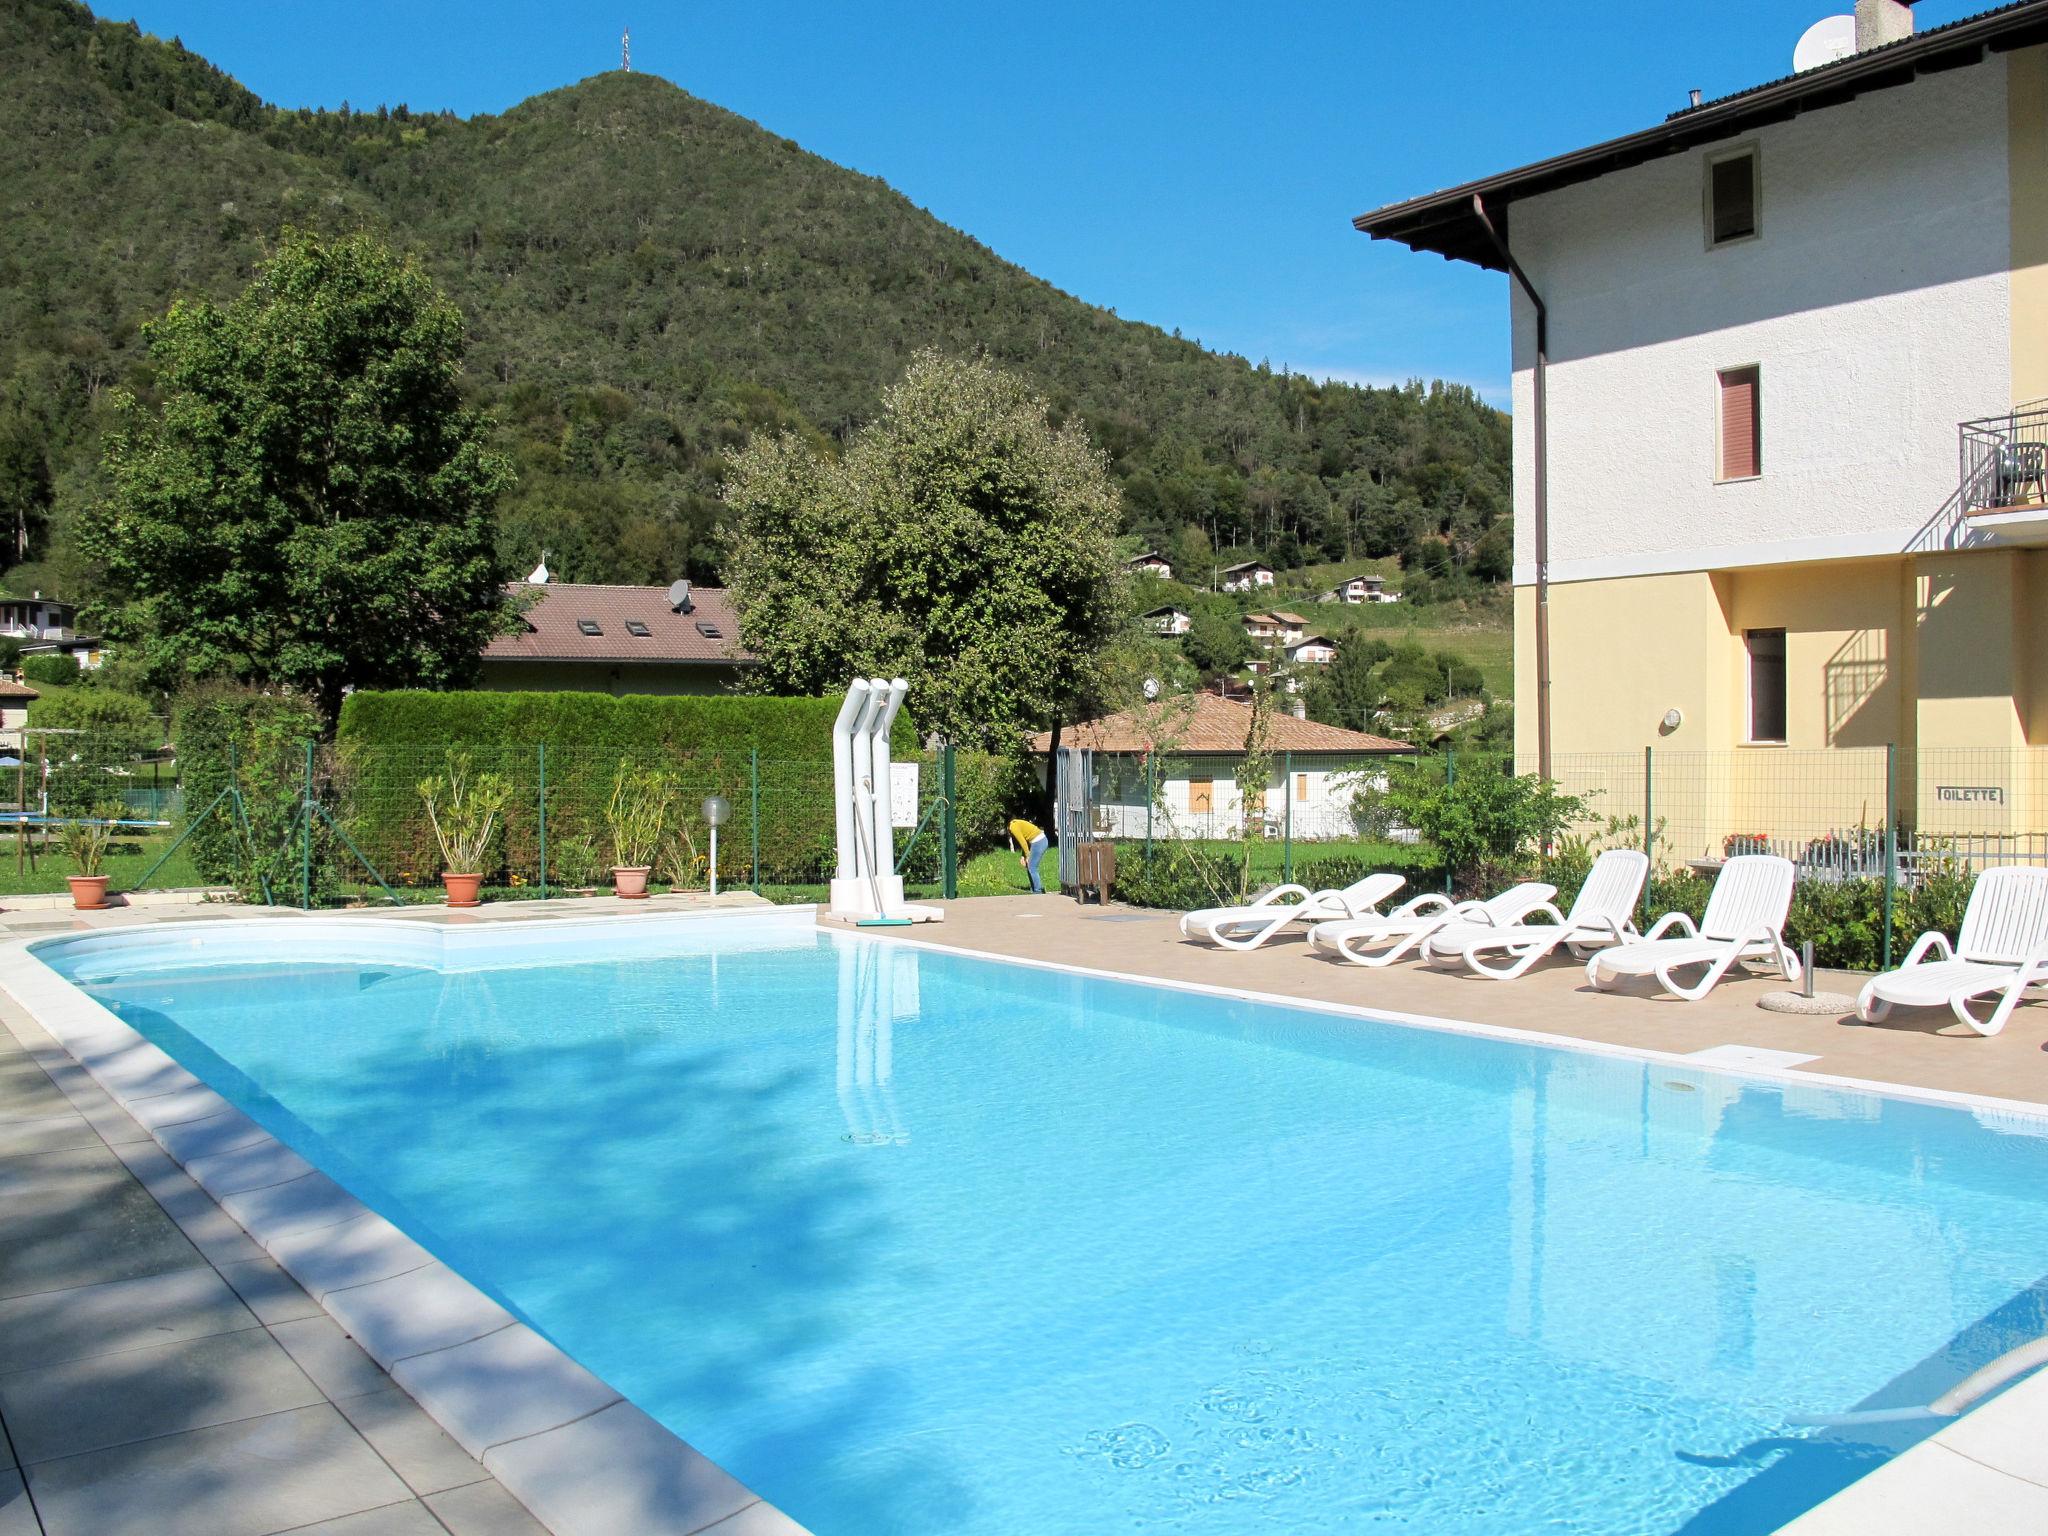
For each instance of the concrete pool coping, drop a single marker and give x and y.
(590, 1464)
(570, 1448)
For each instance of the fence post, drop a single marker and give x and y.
(541, 752)
(306, 841)
(1287, 817)
(1151, 795)
(1649, 826)
(1450, 782)
(949, 828)
(1891, 843)
(754, 802)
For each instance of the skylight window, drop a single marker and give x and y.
(709, 630)
(590, 626)
(638, 630)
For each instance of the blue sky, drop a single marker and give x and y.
(1193, 164)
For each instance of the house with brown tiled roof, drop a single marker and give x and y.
(15, 698)
(1172, 768)
(588, 638)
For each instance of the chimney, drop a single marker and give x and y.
(1882, 21)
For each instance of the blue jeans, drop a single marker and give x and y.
(1031, 862)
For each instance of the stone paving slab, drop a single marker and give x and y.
(160, 1375)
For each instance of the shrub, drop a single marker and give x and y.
(1175, 878)
(387, 740)
(1488, 823)
(59, 671)
(263, 735)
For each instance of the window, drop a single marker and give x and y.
(590, 626)
(1732, 196)
(1300, 787)
(1741, 425)
(709, 631)
(1766, 684)
(637, 630)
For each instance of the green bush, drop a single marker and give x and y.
(263, 736)
(1168, 877)
(58, 671)
(988, 789)
(387, 742)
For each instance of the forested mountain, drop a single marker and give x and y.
(647, 278)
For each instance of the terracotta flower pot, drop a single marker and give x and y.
(462, 889)
(630, 881)
(88, 892)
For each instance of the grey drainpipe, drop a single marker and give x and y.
(1542, 496)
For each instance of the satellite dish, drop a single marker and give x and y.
(1829, 39)
(1151, 687)
(679, 596)
(538, 576)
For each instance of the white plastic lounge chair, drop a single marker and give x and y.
(1413, 925)
(1602, 913)
(1744, 921)
(2001, 948)
(1249, 926)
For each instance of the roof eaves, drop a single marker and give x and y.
(1443, 221)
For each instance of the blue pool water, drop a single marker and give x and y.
(918, 1242)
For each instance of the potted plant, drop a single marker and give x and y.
(86, 839)
(636, 818)
(463, 808)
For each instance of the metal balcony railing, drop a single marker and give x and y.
(2005, 460)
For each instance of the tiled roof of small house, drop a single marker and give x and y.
(12, 692)
(1209, 724)
(573, 621)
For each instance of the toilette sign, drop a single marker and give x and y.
(1969, 794)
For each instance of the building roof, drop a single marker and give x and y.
(1155, 613)
(557, 622)
(1447, 222)
(1212, 725)
(1150, 554)
(12, 692)
(1289, 618)
(1260, 565)
(1307, 640)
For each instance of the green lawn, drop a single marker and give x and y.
(126, 863)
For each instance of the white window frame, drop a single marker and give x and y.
(1719, 458)
(1750, 150)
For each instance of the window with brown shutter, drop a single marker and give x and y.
(1731, 197)
(1742, 450)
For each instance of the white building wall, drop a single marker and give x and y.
(1875, 300)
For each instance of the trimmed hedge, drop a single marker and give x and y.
(388, 742)
(57, 670)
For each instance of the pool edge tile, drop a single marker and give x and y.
(617, 1470)
(504, 1386)
(416, 1313)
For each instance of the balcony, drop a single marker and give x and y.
(2004, 491)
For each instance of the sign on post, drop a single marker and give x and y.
(903, 794)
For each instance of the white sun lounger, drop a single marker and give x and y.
(1744, 921)
(1602, 913)
(1249, 926)
(1413, 925)
(2001, 948)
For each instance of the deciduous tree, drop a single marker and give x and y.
(307, 501)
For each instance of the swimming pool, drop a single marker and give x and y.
(914, 1241)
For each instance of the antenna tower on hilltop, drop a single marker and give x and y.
(626, 50)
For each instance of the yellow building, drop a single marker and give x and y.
(1781, 416)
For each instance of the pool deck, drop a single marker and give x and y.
(161, 1374)
(1913, 1049)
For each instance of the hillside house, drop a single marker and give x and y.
(1173, 769)
(576, 637)
(1360, 589)
(1313, 650)
(1247, 576)
(1167, 621)
(1151, 563)
(15, 698)
(1275, 629)
(45, 626)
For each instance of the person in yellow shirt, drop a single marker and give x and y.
(1031, 843)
